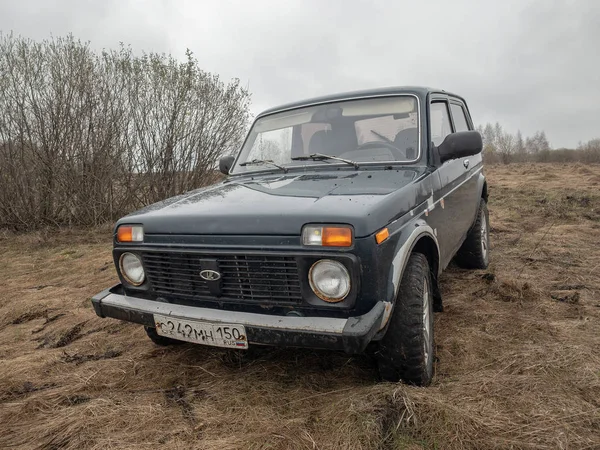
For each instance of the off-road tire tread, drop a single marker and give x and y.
(470, 255)
(161, 340)
(400, 354)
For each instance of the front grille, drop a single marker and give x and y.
(262, 278)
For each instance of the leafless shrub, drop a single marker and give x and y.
(502, 147)
(87, 137)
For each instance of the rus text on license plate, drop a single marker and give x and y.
(216, 334)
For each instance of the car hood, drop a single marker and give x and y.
(282, 204)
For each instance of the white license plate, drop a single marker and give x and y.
(215, 334)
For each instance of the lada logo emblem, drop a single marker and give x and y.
(210, 275)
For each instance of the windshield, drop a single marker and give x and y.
(372, 130)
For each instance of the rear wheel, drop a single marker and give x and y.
(160, 340)
(474, 253)
(406, 350)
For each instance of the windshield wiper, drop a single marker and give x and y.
(264, 161)
(318, 156)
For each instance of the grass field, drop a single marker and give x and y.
(518, 350)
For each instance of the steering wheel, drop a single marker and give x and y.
(374, 144)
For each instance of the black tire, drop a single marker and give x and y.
(161, 340)
(475, 251)
(406, 350)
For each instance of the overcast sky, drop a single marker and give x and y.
(530, 65)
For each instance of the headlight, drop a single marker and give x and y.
(132, 269)
(330, 280)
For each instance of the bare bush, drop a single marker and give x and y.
(86, 138)
(502, 147)
(590, 151)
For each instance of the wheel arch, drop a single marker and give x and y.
(421, 239)
(484, 189)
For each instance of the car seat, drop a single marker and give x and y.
(407, 140)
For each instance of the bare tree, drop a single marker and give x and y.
(488, 135)
(590, 151)
(505, 146)
(519, 143)
(538, 143)
(86, 137)
(502, 147)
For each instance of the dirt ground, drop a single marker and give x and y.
(518, 350)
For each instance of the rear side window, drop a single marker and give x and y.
(440, 122)
(460, 120)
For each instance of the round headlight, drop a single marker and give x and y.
(132, 269)
(330, 280)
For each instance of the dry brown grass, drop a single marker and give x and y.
(518, 349)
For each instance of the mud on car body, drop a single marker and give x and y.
(331, 230)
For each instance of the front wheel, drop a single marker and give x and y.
(406, 350)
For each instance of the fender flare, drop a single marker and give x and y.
(403, 251)
(412, 232)
(482, 186)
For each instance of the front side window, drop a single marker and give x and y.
(368, 130)
(460, 120)
(440, 122)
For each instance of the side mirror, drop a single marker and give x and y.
(459, 145)
(225, 164)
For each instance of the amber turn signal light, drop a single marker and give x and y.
(327, 236)
(382, 235)
(337, 237)
(130, 233)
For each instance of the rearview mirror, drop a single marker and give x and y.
(459, 145)
(225, 164)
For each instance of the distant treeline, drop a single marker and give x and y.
(500, 146)
(86, 137)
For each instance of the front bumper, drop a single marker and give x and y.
(351, 335)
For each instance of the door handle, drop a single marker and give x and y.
(466, 163)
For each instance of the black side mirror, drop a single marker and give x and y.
(459, 145)
(225, 164)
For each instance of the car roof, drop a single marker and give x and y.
(378, 92)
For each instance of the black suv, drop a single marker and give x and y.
(337, 217)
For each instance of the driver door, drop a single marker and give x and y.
(453, 215)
